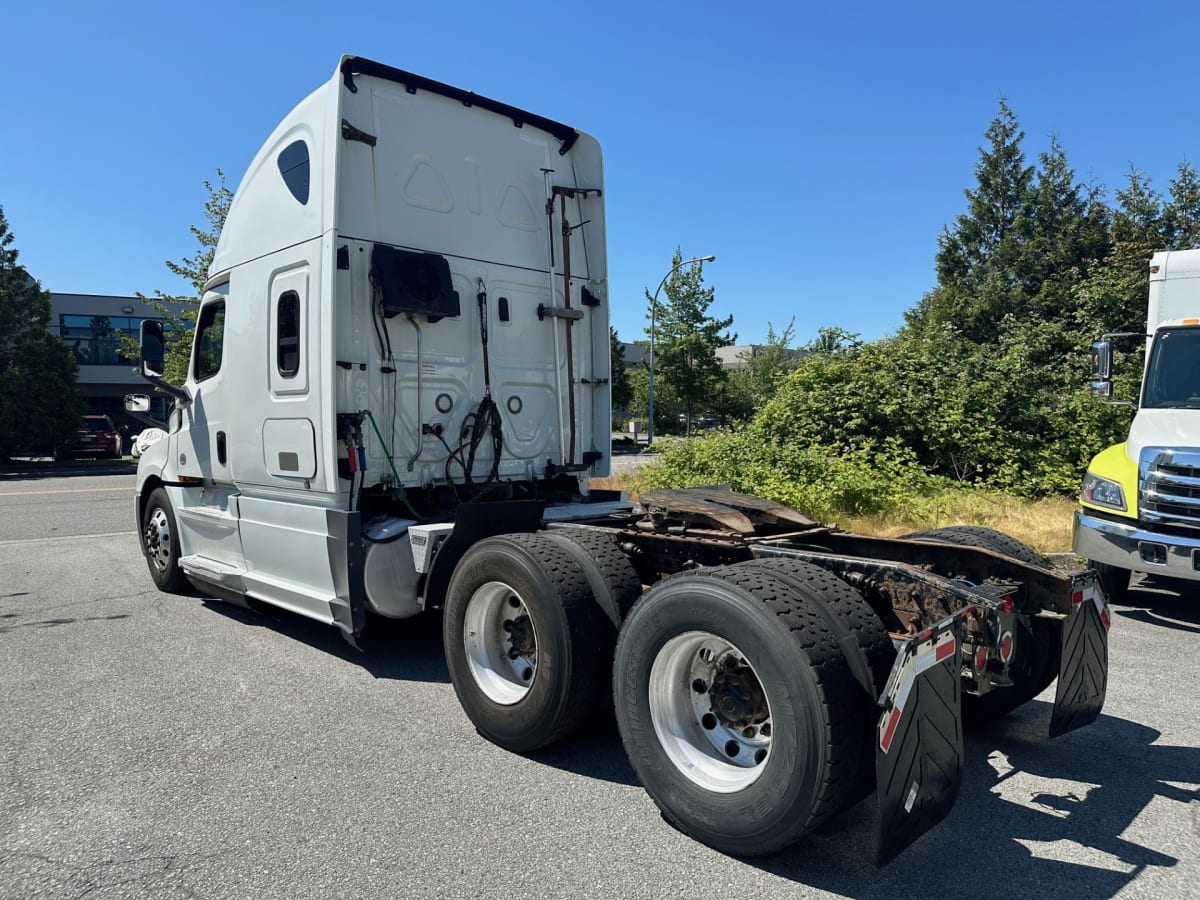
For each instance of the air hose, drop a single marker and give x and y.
(388, 455)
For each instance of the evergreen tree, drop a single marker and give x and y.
(1138, 218)
(1183, 211)
(687, 338)
(40, 407)
(979, 260)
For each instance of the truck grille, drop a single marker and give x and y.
(1169, 487)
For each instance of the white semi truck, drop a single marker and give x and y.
(1141, 498)
(398, 390)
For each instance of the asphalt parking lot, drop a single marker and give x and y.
(156, 745)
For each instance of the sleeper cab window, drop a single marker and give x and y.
(210, 340)
(293, 166)
(287, 331)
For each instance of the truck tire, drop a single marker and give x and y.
(160, 543)
(1039, 643)
(737, 709)
(860, 634)
(983, 538)
(614, 582)
(1114, 581)
(524, 641)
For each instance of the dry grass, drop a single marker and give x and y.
(1043, 524)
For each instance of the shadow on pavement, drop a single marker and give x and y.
(1034, 817)
(1170, 604)
(406, 650)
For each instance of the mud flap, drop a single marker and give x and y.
(1083, 671)
(919, 754)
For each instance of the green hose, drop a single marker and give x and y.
(388, 454)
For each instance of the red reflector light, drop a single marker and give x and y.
(944, 650)
(1006, 605)
(1077, 597)
(1006, 646)
(1104, 618)
(980, 659)
(885, 742)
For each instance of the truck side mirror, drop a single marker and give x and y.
(137, 403)
(1102, 361)
(1101, 389)
(153, 351)
(153, 348)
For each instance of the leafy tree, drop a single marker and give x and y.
(194, 270)
(39, 391)
(622, 391)
(687, 338)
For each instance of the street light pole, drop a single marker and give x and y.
(653, 311)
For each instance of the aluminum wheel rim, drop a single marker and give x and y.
(501, 643)
(709, 735)
(157, 538)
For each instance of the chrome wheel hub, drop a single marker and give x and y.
(501, 643)
(710, 712)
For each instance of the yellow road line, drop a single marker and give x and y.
(65, 491)
(66, 537)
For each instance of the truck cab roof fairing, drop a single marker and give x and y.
(266, 213)
(356, 65)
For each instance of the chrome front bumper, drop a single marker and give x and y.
(1130, 547)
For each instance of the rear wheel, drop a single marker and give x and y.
(160, 543)
(1038, 646)
(860, 634)
(523, 642)
(737, 709)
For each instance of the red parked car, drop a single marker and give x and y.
(98, 437)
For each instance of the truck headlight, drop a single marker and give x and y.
(1102, 492)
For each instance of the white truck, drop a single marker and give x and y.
(398, 391)
(1141, 498)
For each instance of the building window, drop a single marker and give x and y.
(96, 340)
(210, 341)
(287, 330)
(293, 166)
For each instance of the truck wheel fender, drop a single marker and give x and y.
(615, 585)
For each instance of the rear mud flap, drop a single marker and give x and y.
(1083, 672)
(919, 753)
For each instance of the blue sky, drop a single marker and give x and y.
(816, 149)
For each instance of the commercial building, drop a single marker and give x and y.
(91, 325)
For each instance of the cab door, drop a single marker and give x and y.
(208, 513)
